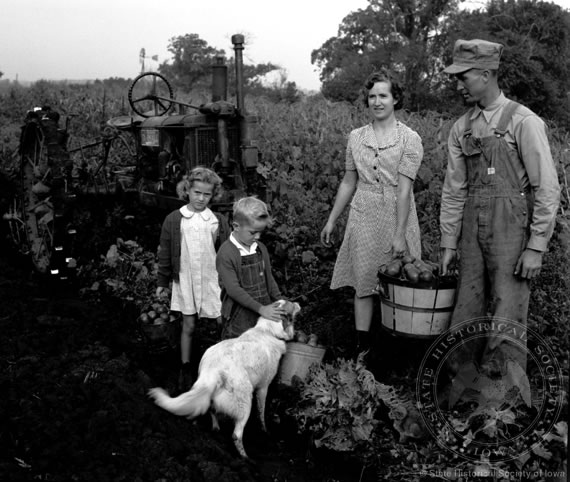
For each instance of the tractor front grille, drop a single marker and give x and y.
(204, 145)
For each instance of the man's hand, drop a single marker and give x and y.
(447, 256)
(272, 312)
(529, 264)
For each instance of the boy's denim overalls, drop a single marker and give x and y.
(495, 231)
(253, 281)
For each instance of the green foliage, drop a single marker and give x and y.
(190, 68)
(535, 64)
(280, 91)
(127, 272)
(386, 33)
(416, 38)
(338, 404)
(191, 59)
(303, 148)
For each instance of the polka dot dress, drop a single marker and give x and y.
(372, 218)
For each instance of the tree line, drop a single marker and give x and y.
(415, 38)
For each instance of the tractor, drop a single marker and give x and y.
(169, 138)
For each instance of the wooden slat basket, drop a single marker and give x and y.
(421, 310)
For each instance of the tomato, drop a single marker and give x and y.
(301, 336)
(412, 273)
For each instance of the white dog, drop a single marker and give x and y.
(231, 371)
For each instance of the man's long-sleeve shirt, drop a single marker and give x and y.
(526, 133)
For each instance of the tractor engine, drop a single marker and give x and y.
(218, 135)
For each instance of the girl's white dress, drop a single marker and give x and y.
(198, 290)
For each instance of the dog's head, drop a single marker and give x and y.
(291, 309)
(288, 319)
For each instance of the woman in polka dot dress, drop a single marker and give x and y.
(382, 159)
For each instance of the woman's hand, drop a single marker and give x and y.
(326, 234)
(399, 245)
(343, 197)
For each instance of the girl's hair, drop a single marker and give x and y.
(383, 75)
(250, 209)
(201, 174)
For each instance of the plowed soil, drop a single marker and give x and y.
(74, 403)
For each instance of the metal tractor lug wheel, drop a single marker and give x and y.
(37, 217)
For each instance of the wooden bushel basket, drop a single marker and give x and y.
(421, 310)
(161, 338)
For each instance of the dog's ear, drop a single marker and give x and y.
(292, 308)
(296, 310)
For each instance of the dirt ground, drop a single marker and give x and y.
(74, 380)
(74, 403)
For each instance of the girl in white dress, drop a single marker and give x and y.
(187, 258)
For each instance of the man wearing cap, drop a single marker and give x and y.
(499, 203)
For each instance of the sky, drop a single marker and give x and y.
(97, 39)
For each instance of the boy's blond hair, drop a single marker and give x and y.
(250, 209)
(200, 174)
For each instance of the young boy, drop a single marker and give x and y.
(248, 287)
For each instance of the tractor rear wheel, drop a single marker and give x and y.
(38, 213)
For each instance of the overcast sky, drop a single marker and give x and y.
(97, 39)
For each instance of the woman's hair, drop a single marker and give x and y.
(201, 174)
(383, 75)
(250, 209)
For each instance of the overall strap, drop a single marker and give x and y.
(506, 116)
(501, 130)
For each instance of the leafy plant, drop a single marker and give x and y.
(339, 405)
(127, 272)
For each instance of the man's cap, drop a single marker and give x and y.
(474, 54)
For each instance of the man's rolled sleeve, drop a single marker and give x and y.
(454, 193)
(534, 151)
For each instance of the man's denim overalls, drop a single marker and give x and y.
(495, 231)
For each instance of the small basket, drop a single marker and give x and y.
(162, 337)
(420, 310)
(297, 360)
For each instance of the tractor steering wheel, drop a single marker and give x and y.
(150, 95)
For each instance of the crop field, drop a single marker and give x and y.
(76, 377)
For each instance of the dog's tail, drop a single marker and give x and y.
(189, 404)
